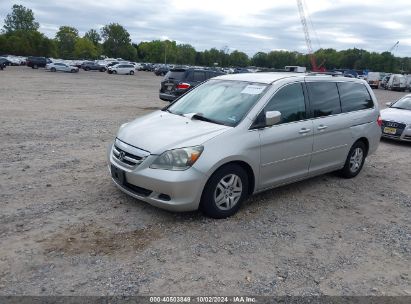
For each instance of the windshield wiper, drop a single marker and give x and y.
(399, 108)
(199, 116)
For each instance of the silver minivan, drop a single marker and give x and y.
(236, 135)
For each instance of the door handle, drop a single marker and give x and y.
(304, 130)
(322, 127)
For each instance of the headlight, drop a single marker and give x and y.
(178, 159)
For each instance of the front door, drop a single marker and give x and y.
(286, 147)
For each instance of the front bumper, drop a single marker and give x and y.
(171, 190)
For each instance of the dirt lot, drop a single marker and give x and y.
(65, 229)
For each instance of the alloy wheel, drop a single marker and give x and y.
(228, 192)
(356, 159)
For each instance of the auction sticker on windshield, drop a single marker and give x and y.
(253, 89)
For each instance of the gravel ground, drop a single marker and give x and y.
(66, 230)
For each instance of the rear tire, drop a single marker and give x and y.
(35, 66)
(86, 69)
(73, 71)
(355, 160)
(102, 70)
(114, 72)
(52, 69)
(224, 192)
(131, 72)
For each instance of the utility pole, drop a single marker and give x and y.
(165, 52)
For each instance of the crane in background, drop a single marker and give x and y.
(394, 47)
(313, 60)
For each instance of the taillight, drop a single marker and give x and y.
(183, 86)
(379, 121)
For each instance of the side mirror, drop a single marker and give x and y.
(272, 118)
(388, 104)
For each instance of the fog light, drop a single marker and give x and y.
(164, 197)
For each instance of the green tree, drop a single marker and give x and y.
(93, 36)
(66, 38)
(85, 49)
(26, 43)
(117, 42)
(21, 18)
(186, 54)
(260, 59)
(239, 59)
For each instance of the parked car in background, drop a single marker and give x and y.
(408, 81)
(397, 82)
(384, 82)
(4, 62)
(125, 69)
(180, 80)
(161, 70)
(373, 79)
(2, 65)
(37, 62)
(148, 67)
(396, 119)
(236, 135)
(92, 66)
(61, 67)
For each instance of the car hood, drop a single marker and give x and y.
(161, 131)
(397, 115)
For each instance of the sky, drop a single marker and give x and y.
(248, 26)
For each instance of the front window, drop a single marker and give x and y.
(404, 103)
(221, 101)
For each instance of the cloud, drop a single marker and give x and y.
(249, 26)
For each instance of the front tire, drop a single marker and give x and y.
(355, 160)
(52, 69)
(225, 191)
(131, 72)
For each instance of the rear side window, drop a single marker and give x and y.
(199, 76)
(354, 97)
(324, 99)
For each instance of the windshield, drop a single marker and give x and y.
(403, 103)
(221, 101)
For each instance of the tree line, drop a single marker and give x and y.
(21, 36)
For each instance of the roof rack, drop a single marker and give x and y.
(324, 73)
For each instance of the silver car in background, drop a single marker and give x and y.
(396, 120)
(240, 134)
(61, 67)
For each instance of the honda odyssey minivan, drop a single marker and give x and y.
(240, 134)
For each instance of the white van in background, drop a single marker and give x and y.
(373, 79)
(397, 82)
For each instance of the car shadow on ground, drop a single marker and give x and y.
(396, 142)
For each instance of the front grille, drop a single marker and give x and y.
(125, 157)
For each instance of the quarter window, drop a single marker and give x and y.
(324, 99)
(289, 101)
(354, 97)
(199, 76)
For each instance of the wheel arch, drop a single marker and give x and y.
(365, 141)
(247, 168)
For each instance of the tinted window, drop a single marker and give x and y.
(290, 102)
(178, 74)
(199, 76)
(354, 96)
(324, 99)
